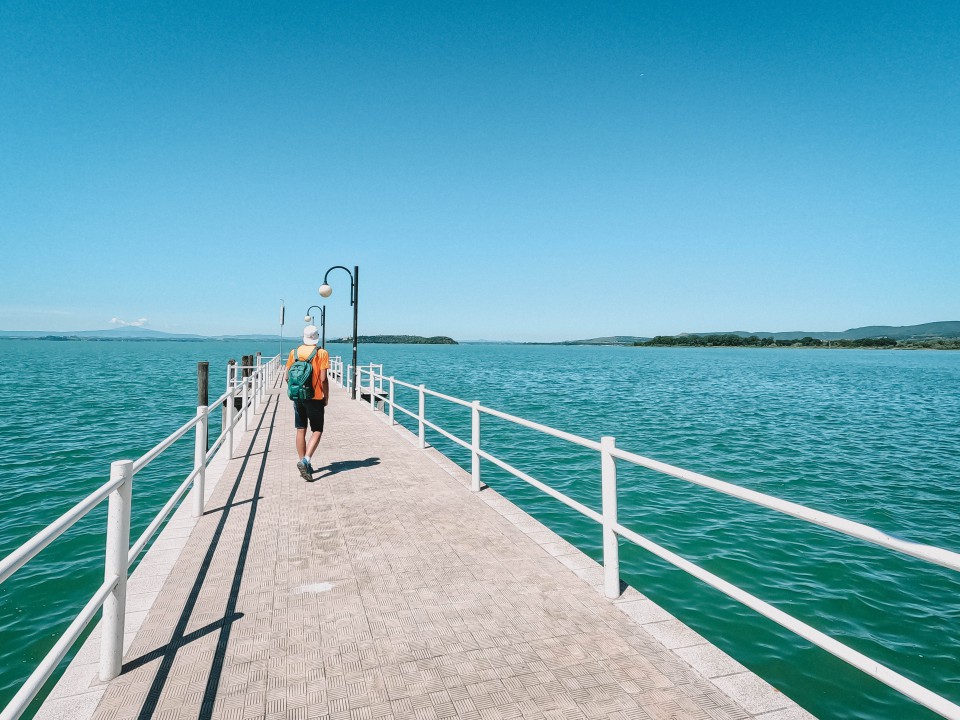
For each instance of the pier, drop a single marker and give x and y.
(386, 588)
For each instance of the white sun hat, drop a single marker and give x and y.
(311, 336)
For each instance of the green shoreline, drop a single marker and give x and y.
(880, 343)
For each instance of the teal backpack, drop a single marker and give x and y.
(299, 382)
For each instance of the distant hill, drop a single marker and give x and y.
(120, 333)
(612, 340)
(398, 340)
(139, 334)
(926, 331)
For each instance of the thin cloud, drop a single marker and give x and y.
(133, 323)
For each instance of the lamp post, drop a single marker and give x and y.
(308, 318)
(325, 291)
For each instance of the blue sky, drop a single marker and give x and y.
(517, 171)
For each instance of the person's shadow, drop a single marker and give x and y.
(342, 466)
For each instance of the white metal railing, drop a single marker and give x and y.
(250, 382)
(337, 371)
(612, 529)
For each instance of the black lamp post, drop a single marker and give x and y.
(308, 318)
(325, 291)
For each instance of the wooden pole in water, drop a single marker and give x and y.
(203, 384)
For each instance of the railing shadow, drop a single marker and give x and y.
(340, 466)
(215, 510)
(180, 638)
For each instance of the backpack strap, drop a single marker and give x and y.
(309, 358)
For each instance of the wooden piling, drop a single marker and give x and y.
(203, 382)
(203, 395)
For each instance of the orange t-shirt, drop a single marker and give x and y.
(320, 362)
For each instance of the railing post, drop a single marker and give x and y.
(253, 391)
(350, 377)
(202, 439)
(611, 549)
(373, 402)
(115, 565)
(420, 418)
(200, 461)
(255, 383)
(244, 407)
(475, 446)
(231, 415)
(391, 401)
(260, 383)
(223, 415)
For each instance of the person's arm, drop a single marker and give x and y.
(324, 380)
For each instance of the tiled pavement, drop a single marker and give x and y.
(386, 589)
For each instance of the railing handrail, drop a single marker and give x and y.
(851, 528)
(928, 553)
(28, 550)
(264, 370)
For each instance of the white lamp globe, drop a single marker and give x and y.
(325, 290)
(308, 318)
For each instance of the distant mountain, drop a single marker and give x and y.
(139, 333)
(120, 333)
(612, 340)
(130, 333)
(135, 332)
(398, 340)
(926, 331)
(489, 342)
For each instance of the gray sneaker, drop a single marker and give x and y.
(306, 472)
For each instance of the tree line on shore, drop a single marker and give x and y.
(731, 340)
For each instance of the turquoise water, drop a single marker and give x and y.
(869, 435)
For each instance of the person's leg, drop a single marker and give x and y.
(316, 425)
(300, 423)
(300, 413)
(312, 445)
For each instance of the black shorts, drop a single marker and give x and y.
(311, 410)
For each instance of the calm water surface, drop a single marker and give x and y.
(869, 435)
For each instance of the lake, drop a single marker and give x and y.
(868, 435)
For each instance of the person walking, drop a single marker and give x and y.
(309, 389)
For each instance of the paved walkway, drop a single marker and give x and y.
(386, 589)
